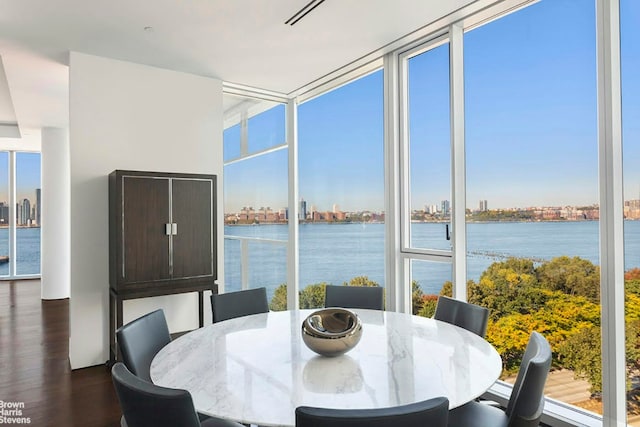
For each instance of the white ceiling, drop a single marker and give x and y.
(237, 41)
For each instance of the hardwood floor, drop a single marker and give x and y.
(34, 363)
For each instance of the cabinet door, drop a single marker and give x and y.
(146, 210)
(193, 244)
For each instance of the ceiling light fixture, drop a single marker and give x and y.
(303, 12)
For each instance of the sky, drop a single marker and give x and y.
(530, 131)
(27, 176)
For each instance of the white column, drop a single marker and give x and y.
(611, 213)
(293, 254)
(458, 166)
(55, 214)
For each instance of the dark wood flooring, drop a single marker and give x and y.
(34, 363)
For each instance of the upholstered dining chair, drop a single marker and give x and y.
(140, 340)
(371, 297)
(145, 404)
(526, 403)
(466, 315)
(230, 305)
(432, 413)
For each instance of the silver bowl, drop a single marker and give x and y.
(332, 331)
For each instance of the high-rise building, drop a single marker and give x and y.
(483, 206)
(38, 205)
(25, 212)
(445, 207)
(303, 209)
(4, 214)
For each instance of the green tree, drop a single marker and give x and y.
(312, 296)
(507, 287)
(361, 281)
(429, 303)
(573, 276)
(416, 297)
(279, 300)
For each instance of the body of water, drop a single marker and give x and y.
(27, 250)
(335, 253)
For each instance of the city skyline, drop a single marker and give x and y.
(531, 123)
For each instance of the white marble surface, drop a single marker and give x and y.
(256, 369)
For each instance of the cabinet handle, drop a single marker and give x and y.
(167, 229)
(174, 229)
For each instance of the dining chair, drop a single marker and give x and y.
(140, 340)
(526, 402)
(230, 305)
(145, 404)
(471, 317)
(432, 413)
(370, 297)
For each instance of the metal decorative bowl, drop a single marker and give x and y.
(332, 331)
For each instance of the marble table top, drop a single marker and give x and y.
(256, 369)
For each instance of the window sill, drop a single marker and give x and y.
(556, 413)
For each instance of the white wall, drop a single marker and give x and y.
(55, 214)
(130, 116)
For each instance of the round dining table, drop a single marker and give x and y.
(256, 369)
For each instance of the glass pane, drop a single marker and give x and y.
(267, 129)
(4, 213)
(429, 148)
(28, 213)
(231, 141)
(255, 200)
(428, 281)
(251, 126)
(630, 62)
(532, 189)
(342, 187)
(266, 261)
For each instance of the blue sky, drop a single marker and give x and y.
(27, 173)
(531, 122)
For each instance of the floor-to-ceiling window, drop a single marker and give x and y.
(20, 230)
(532, 201)
(28, 199)
(630, 63)
(532, 189)
(341, 188)
(427, 150)
(255, 196)
(4, 213)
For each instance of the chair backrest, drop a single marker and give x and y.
(527, 397)
(141, 339)
(145, 404)
(240, 303)
(371, 297)
(466, 315)
(432, 413)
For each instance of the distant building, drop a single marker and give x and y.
(38, 205)
(445, 207)
(4, 214)
(303, 209)
(24, 212)
(483, 206)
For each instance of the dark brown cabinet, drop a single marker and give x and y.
(162, 238)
